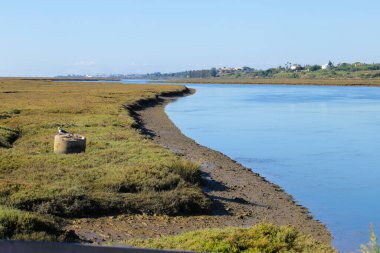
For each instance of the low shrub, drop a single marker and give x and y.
(189, 171)
(62, 205)
(183, 199)
(20, 225)
(259, 238)
(8, 136)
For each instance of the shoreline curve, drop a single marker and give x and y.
(241, 197)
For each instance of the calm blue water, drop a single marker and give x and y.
(320, 143)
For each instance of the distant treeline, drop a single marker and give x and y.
(289, 70)
(203, 73)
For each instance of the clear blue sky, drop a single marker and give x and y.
(51, 37)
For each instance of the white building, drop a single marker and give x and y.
(326, 66)
(295, 67)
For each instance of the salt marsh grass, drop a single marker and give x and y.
(259, 238)
(121, 172)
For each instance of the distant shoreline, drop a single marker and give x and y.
(84, 79)
(68, 79)
(295, 81)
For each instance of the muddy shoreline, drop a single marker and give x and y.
(241, 197)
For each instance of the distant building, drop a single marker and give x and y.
(229, 70)
(295, 67)
(326, 66)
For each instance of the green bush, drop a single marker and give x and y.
(259, 238)
(20, 225)
(181, 199)
(189, 171)
(63, 205)
(8, 136)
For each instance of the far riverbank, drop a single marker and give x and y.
(292, 81)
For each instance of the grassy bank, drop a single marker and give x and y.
(291, 81)
(259, 238)
(121, 171)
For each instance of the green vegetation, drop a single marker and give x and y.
(259, 238)
(294, 81)
(8, 136)
(188, 171)
(344, 71)
(373, 246)
(121, 171)
(20, 225)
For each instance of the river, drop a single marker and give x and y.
(320, 143)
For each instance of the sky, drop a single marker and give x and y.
(48, 38)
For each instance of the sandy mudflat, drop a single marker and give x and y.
(241, 197)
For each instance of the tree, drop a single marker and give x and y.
(213, 72)
(314, 68)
